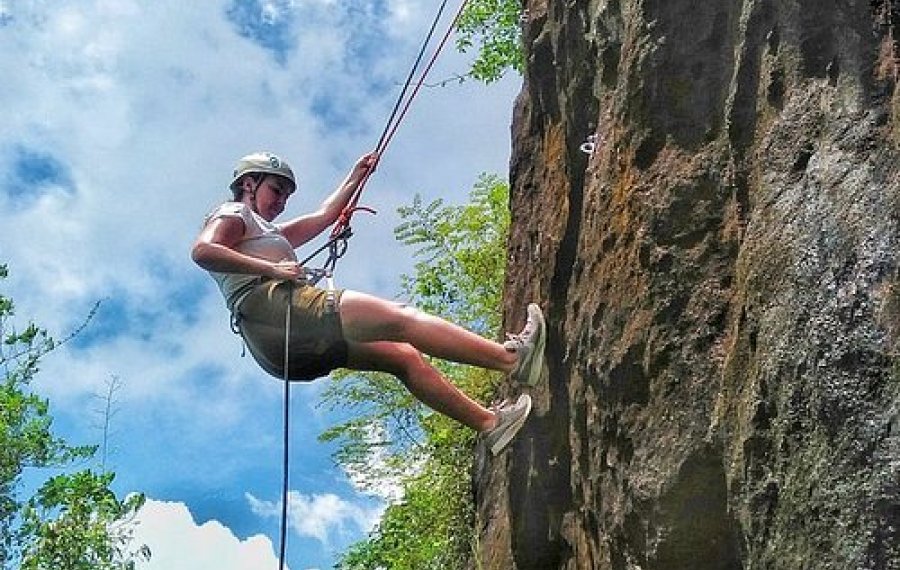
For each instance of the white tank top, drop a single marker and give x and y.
(262, 239)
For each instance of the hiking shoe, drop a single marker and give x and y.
(529, 345)
(510, 418)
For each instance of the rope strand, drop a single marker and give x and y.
(412, 71)
(396, 118)
(286, 419)
(425, 72)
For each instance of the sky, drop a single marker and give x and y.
(122, 121)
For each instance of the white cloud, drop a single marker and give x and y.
(320, 516)
(272, 11)
(177, 542)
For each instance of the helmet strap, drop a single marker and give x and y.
(257, 180)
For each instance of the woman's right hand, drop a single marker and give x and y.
(287, 270)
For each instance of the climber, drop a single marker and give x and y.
(253, 262)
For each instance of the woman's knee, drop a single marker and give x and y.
(410, 361)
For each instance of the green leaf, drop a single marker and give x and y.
(493, 26)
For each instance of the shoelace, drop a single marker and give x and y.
(517, 338)
(498, 405)
(520, 338)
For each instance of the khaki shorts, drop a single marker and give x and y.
(316, 345)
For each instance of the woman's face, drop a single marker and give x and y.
(271, 196)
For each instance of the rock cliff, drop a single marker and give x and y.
(721, 281)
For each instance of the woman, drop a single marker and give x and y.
(252, 260)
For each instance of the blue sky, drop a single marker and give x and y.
(122, 121)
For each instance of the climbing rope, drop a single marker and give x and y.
(340, 234)
(286, 423)
(342, 231)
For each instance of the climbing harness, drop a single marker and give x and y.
(339, 239)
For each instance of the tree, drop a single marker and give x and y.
(392, 438)
(462, 255)
(493, 26)
(74, 521)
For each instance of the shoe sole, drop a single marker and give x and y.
(536, 365)
(513, 428)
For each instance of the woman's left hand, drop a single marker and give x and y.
(366, 163)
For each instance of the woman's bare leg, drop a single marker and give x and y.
(421, 379)
(368, 319)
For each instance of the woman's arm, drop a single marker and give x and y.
(214, 251)
(304, 228)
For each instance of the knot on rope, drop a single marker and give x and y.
(342, 225)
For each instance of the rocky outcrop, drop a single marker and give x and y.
(721, 280)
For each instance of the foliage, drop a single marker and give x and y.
(383, 429)
(76, 522)
(462, 255)
(492, 25)
(432, 527)
(393, 439)
(73, 521)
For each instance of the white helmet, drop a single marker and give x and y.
(261, 163)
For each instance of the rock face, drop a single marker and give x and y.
(721, 281)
